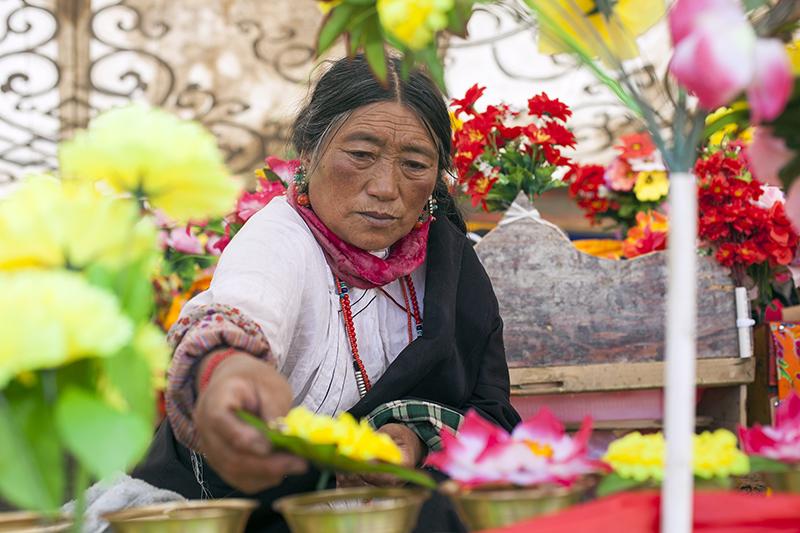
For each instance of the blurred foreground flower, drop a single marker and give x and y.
(780, 442)
(649, 235)
(173, 164)
(49, 319)
(718, 55)
(414, 22)
(46, 223)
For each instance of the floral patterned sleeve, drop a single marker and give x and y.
(202, 330)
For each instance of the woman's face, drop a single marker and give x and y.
(375, 175)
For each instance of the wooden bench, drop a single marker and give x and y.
(591, 328)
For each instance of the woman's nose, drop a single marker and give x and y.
(383, 183)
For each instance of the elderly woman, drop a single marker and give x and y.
(356, 292)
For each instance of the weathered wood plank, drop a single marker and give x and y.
(563, 307)
(714, 372)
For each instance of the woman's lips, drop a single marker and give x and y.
(377, 218)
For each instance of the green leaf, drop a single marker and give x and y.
(355, 39)
(102, 438)
(458, 17)
(430, 57)
(374, 51)
(129, 374)
(325, 456)
(359, 2)
(614, 483)
(31, 462)
(333, 26)
(759, 463)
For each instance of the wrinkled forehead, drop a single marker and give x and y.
(387, 123)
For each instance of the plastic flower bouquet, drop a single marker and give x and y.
(498, 154)
(775, 450)
(637, 461)
(499, 477)
(80, 359)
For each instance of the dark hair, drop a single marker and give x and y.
(349, 84)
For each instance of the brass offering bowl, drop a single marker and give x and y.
(25, 522)
(351, 510)
(193, 516)
(491, 507)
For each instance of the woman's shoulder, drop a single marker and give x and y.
(274, 231)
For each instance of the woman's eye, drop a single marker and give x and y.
(416, 165)
(361, 155)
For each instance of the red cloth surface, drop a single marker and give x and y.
(638, 512)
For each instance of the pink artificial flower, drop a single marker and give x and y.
(770, 195)
(182, 240)
(212, 244)
(780, 442)
(251, 202)
(718, 55)
(285, 170)
(619, 176)
(538, 451)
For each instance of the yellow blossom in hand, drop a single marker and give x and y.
(651, 186)
(716, 455)
(174, 164)
(637, 456)
(414, 22)
(47, 223)
(583, 22)
(51, 318)
(353, 439)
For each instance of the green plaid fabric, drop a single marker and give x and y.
(426, 419)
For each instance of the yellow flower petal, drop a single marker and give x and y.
(51, 318)
(175, 164)
(414, 22)
(651, 186)
(46, 223)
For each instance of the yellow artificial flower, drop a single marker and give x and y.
(585, 25)
(174, 164)
(651, 186)
(793, 49)
(414, 22)
(716, 455)
(641, 457)
(455, 122)
(47, 223)
(637, 456)
(729, 131)
(51, 318)
(326, 7)
(353, 439)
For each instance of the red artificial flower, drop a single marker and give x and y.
(636, 146)
(466, 104)
(479, 188)
(542, 105)
(559, 134)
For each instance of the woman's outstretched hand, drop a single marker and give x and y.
(236, 450)
(411, 447)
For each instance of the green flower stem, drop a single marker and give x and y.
(80, 486)
(324, 477)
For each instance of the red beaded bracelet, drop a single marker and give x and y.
(213, 361)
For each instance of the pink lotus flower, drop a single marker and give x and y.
(251, 202)
(780, 442)
(181, 240)
(538, 451)
(718, 55)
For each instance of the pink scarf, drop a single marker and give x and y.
(359, 268)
